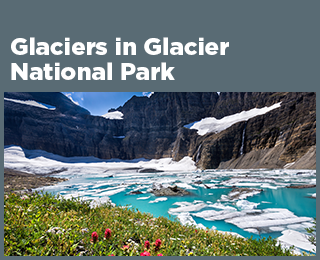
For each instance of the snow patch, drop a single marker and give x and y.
(147, 94)
(113, 115)
(213, 125)
(288, 165)
(42, 162)
(31, 103)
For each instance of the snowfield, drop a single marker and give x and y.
(213, 125)
(31, 103)
(41, 162)
(114, 115)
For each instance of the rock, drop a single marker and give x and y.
(149, 170)
(23, 183)
(135, 192)
(292, 186)
(242, 193)
(170, 191)
(154, 128)
(109, 176)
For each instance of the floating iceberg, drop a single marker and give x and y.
(297, 239)
(186, 219)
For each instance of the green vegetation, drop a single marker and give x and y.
(313, 234)
(42, 224)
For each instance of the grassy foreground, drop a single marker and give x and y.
(42, 224)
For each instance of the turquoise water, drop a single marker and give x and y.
(275, 194)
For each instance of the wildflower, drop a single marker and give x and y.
(196, 231)
(107, 233)
(125, 247)
(157, 244)
(190, 254)
(160, 254)
(147, 244)
(111, 255)
(145, 253)
(94, 237)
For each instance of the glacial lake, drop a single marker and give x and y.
(271, 209)
(210, 190)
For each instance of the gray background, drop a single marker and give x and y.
(274, 45)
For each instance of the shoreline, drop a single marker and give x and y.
(18, 181)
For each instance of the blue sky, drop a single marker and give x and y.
(98, 103)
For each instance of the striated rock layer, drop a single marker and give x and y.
(154, 128)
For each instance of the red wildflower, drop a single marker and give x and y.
(125, 247)
(157, 244)
(94, 237)
(107, 233)
(160, 254)
(111, 255)
(147, 244)
(145, 253)
(196, 231)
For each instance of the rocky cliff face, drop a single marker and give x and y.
(153, 128)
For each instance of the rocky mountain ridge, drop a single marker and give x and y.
(154, 128)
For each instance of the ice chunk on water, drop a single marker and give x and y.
(244, 204)
(212, 215)
(267, 218)
(185, 186)
(109, 193)
(143, 198)
(189, 208)
(276, 229)
(158, 200)
(252, 230)
(219, 205)
(297, 239)
(186, 219)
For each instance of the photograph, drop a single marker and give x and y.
(159, 173)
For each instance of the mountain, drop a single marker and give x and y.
(159, 126)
